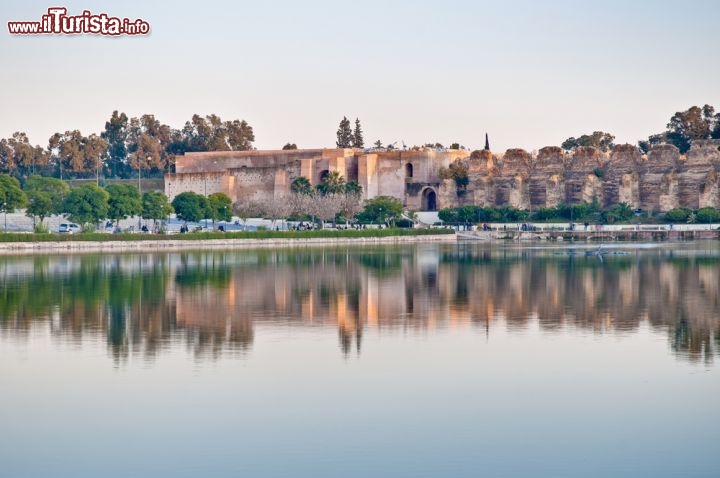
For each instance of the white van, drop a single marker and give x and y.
(68, 228)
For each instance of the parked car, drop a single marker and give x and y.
(68, 228)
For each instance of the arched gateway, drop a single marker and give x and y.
(429, 200)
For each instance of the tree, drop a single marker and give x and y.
(598, 139)
(458, 172)
(449, 215)
(190, 206)
(11, 196)
(378, 144)
(707, 215)
(357, 139)
(686, 126)
(212, 134)
(19, 158)
(327, 206)
(381, 209)
(353, 187)
(332, 183)
(351, 201)
(619, 212)
(220, 207)
(246, 209)
(278, 207)
(77, 153)
(652, 140)
(155, 206)
(86, 204)
(344, 134)
(678, 215)
(289, 146)
(123, 201)
(301, 185)
(45, 196)
(116, 136)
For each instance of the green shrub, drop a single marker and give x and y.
(707, 215)
(680, 214)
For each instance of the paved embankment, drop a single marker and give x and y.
(206, 244)
(605, 236)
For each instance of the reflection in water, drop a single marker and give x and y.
(211, 302)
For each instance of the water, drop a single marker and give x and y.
(429, 360)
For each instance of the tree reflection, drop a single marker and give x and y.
(212, 301)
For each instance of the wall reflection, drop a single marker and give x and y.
(142, 304)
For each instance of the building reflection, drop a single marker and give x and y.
(143, 304)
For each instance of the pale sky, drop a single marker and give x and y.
(529, 72)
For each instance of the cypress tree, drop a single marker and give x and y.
(344, 134)
(358, 141)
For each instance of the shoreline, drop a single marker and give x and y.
(621, 235)
(148, 245)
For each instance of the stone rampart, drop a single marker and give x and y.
(659, 181)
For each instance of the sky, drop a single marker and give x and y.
(529, 73)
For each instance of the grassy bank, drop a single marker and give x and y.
(320, 234)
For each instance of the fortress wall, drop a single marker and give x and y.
(254, 184)
(367, 175)
(657, 189)
(481, 170)
(582, 183)
(698, 175)
(620, 176)
(546, 185)
(199, 183)
(660, 181)
(512, 180)
(219, 161)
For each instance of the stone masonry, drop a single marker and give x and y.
(658, 181)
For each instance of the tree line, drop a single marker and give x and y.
(333, 200)
(125, 147)
(584, 212)
(128, 146)
(89, 204)
(684, 127)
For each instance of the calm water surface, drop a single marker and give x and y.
(429, 360)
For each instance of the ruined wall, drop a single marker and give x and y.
(511, 182)
(582, 176)
(658, 179)
(547, 184)
(698, 175)
(481, 171)
(621, 177)
(658, 182)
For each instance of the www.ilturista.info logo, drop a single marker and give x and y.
(58, 22)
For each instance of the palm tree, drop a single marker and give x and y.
(332, 183)
(301, 185)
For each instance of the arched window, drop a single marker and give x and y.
(408, 170)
